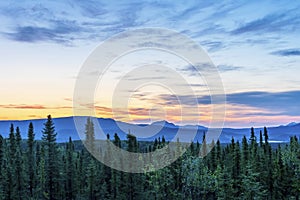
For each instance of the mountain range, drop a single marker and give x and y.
(66, 127)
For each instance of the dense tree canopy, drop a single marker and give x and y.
(247, 169)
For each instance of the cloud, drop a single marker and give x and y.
(59, 31)
(196, 70)
(193, 85)
(55, 21)
(90, 9)
(145, 112)
(286, 21)
(66, 21)
(283, 103)
(213, 45)
(23, 106)
(35, 116)
(103, 109)
(287, 52)
(146, 77)
(226, 68)
(68, 99)
(35, 106)
(189, 100)
(287, 102)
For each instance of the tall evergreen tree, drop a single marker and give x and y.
(132, 179)
(91, 176)
(118, 179)
(41, 175)
(70, 171)
(254, 147)
(11, 190)
(31, 161)
(245, 153)
(219, 153)
(213, 157)
(20, 176)
(2, 168)
(204, 150)
(260, 139)
(90, 135)
(52, 173)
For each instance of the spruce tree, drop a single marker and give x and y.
(213, 157)
(31, 161)
(20, 176)
(107, 171)
(279, 176)
(41, 174)
(260, 139)
(11, 190)
(118, 178)
(219, 153)
(90, 135)
(204, 150)
(70, 171)
(132, 179)
(2, 167)
(52, 173)
(91, 176)
(254, 152)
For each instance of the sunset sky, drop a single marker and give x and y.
(254, 44)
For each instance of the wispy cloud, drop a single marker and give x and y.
(34, 106)
(55, 22)
(35, 116)
(90, 8)
(67, 21)
(287, 20)
(23, 106)
(61, 32)
(213, 45)
(192, 70)
(287, 52)
(225, 68)
(68, 99)
(284, 103)
(287, 102)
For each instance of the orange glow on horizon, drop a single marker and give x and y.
(236, 115)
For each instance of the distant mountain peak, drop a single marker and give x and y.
(292, 124)
(66, 127)
(164, 123)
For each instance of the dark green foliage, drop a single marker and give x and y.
(51, 160)
(245, 152)
(246, 170)
(31, 160)
(11, 190)
(2, 168)
(19, 166)
(70, 183)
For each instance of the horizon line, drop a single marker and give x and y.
(72, 116)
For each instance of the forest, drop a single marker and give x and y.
(247, 169)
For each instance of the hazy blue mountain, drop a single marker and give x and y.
(292, 124)
(65, 127)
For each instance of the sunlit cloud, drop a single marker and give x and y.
(23, 106)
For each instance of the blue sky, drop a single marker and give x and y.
(255, 45)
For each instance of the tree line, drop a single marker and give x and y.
(44, 169)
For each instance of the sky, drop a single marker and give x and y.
(254, 44)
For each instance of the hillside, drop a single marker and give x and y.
(65, 127)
